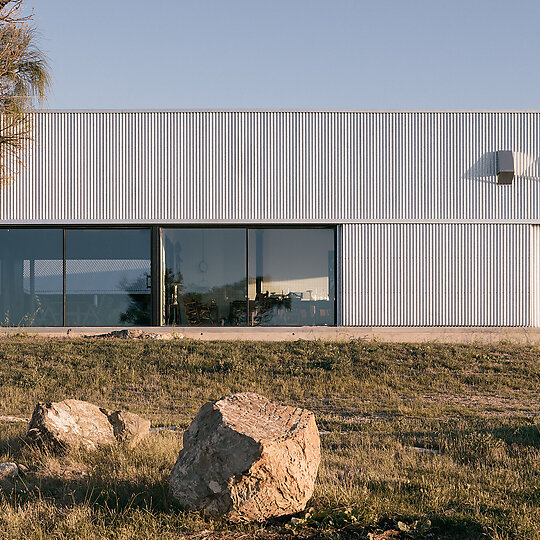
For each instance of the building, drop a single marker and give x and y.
(218, 218)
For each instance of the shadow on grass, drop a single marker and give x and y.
(111, 499)
(527, 436)
(68, 480)
(12, 445)
(118, 498)
(353, 523)
(456, 527)
(522, 435)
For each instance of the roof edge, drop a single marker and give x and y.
(269, 110)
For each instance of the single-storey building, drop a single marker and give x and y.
(274, 218)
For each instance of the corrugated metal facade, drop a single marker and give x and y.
(427, 238)
(436, 275)
(535, 275)
(276, 166)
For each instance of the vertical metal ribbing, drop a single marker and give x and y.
(436, 275)
(535, 275)
(275, 166)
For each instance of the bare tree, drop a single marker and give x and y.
(24, 79)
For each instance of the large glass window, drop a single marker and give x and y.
(108, 277)
(291, 277)
(31, 282)
(288, 281)
(204, 278)
(209, 277)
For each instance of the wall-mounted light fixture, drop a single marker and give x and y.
(505, 167)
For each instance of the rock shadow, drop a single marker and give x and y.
(82, 489)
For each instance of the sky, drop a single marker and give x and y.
(291, 54)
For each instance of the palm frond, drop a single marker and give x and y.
(24, 80)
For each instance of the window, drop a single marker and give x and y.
(108, 277)
(204, 280)
(291, 277)
(31, 281)
(229, 276)
(255, 276)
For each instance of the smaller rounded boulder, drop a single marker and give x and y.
(73, 424)
(246, 458)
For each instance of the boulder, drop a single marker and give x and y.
(8, 470)
(73, 423)
(128, 427)
(247, 459)
(70, 424)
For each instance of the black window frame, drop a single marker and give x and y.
(155, 254)
(252, 227)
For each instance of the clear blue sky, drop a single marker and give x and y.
(351, 54)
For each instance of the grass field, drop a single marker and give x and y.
(430, 441)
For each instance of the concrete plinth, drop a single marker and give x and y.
(484, 335)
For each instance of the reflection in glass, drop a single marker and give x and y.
(108, 277)
(31, 277)
(204, 277)
(291, 277)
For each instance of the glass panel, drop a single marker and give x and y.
(291, 277)
(31, 283)
(108, 277)
(204, 281)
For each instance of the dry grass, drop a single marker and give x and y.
(441, 440)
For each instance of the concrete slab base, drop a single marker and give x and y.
(483, 335)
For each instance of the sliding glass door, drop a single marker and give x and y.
(184, 276)
(291, 277)
(248, 276)
(31, 277)
(108, 277)
(204, 280)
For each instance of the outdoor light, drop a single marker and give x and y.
(505, 167)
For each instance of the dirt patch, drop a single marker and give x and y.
(494, 405)
(14, 419)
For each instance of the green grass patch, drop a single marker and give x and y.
(429, 441)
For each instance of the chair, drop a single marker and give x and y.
(196, 312)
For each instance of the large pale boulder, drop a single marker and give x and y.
(128, 427)
(247, 459)
(73, 423)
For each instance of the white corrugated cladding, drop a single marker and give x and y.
(436, 275)
(535, 275)
(275, 167)
(428, 236)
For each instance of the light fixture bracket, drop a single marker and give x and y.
(505, 167)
